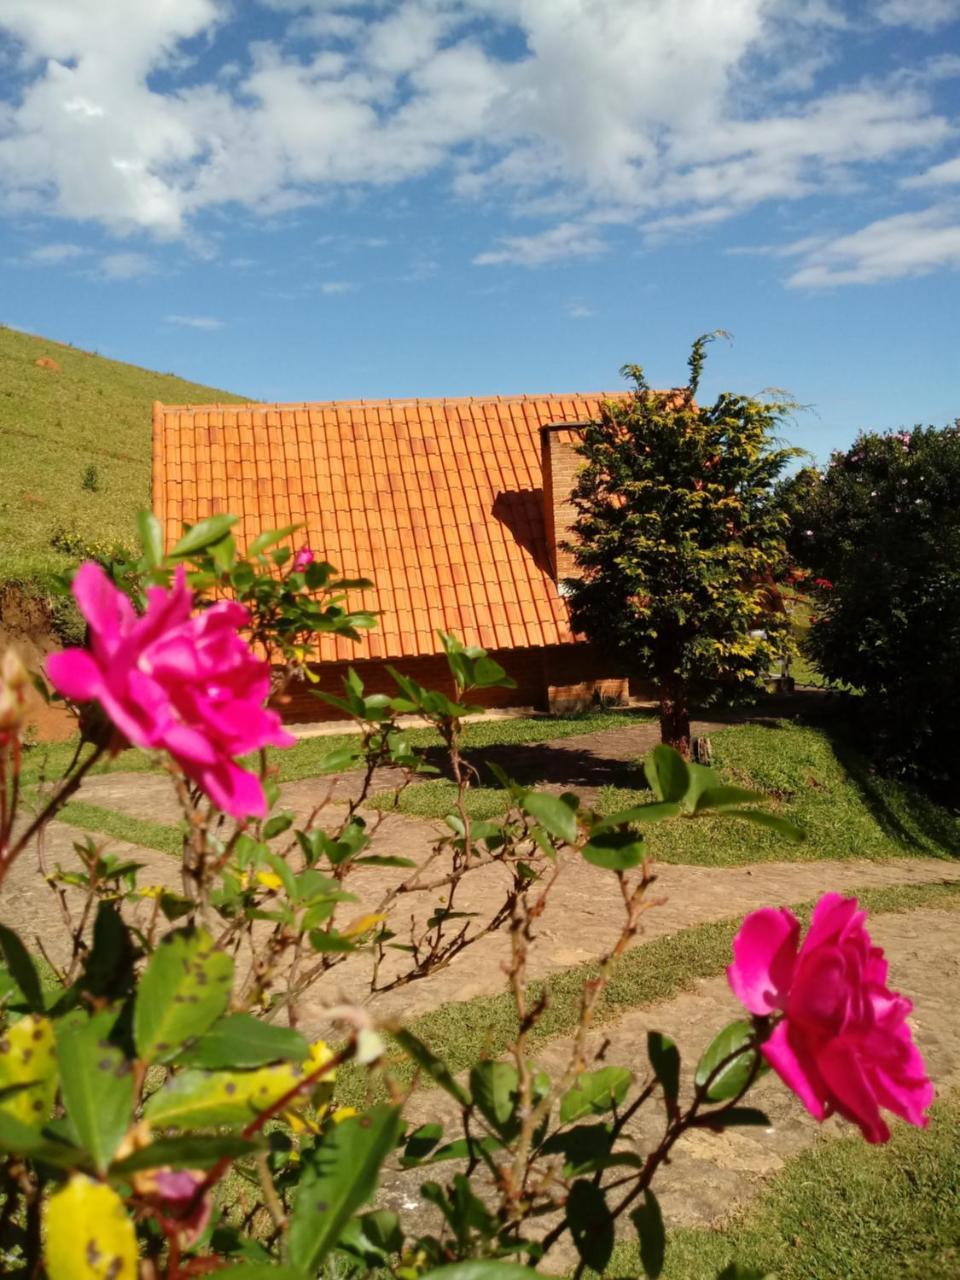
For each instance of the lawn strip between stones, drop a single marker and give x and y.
(119, 826)
(463, 1031)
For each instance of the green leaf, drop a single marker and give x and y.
(553, 814)
(648, 1221)
(88, 1234)
(151, 538)
(591, 1225)
(437, 1070)
(726, 798)
(192, 1151)
(20, 1140)
(108, 971)
(203, 535)
(770, 821)
(22, 968)
(665, 1061)
(653, 812)
(270, 538)
(373, 1237)
(614, 851)
(28, 1058)
(339, 1175)
(594, 1093)
(667, 773)
(732, 1077)
(96, 1081)
(241, 1040)
(494, 1089)
(185, 988)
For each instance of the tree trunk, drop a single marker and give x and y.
(674, 713)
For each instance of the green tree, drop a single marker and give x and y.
(880, 532)
(680, 539)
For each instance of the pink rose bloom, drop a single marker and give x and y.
(173, 1193)
(303, 559)
(185, 683)
(843, 1043)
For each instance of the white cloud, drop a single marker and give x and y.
(579, 311)
(671, 113)
(330, 288)
(567, 240)
(925, 15)
(54, 255)
(907, 244)
(940, 175)
(124, 266)
(195, 322)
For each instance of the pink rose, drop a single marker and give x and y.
(186, 683)
(303, 559)
(175, 1194)
(843, 1043)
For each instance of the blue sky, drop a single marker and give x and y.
(320, 199)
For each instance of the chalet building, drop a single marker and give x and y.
(455, 509)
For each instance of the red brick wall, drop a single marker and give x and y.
(565, 676)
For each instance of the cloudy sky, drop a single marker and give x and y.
(313, 199)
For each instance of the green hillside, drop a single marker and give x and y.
(74, 449)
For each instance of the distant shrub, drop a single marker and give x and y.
(879, 531)
(91, 479)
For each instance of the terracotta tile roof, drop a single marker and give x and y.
(439, 502)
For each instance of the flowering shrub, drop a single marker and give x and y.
(879, 531)
(162, 1111)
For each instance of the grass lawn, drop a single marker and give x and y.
(842, 1210)
(306, 759)
(816, 781)
(94, 413)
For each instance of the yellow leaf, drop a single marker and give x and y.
(88, 1235)
(362, 924)
(28, 1057)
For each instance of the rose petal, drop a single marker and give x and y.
(850, 1090)
(74, 674)
(764, 954)
(797, 1068)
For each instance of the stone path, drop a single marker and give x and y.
(711, 1175)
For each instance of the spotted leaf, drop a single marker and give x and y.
(28, 1071)
(88, 1235)
(185, 989)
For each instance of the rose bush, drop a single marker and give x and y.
(162, 1113)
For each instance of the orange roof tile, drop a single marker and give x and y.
(439, 502)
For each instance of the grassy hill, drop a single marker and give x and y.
(75, 455)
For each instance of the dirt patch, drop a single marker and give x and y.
(47, 362)
(26, 627)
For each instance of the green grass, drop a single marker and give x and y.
(305, 760)
(809, 777)
(841, 1210)
(120, 826)
(647, 974)
(55, 425)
